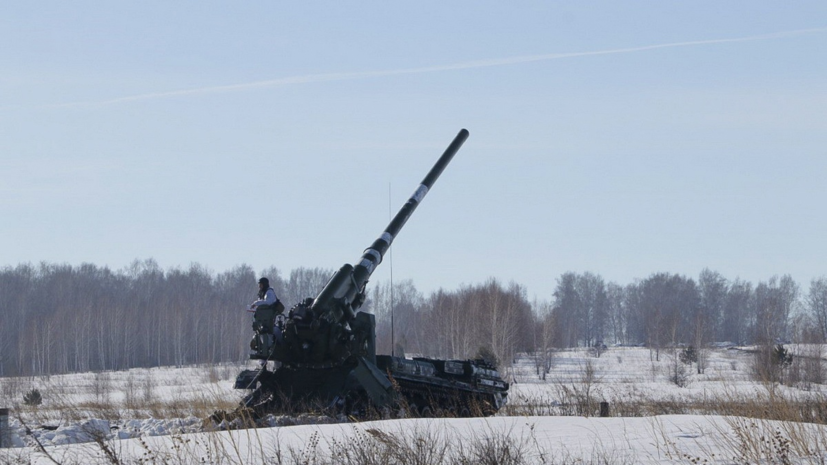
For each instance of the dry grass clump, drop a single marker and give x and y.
(373, 446)
(743, 441)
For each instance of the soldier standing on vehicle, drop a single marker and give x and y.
(266, 294)
(266, 308)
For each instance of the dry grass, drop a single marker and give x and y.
(743, 440)
(422, 444)
(768, 402)
(137, 394)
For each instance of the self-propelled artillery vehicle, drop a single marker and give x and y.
(325, 349)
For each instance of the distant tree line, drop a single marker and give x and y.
(57, 318)
(667, 309)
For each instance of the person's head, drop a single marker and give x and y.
(263, 283)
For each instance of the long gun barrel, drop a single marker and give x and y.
(339, 296)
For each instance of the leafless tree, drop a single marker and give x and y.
(304, 283)
(817, 304)
(567, 309)
(713, 290)
(618, 313)
(774, 302)
(737, 313)
(543, 347)
(665, 305)
(397, 311)
(591, 291)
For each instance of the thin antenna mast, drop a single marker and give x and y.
(393, 339)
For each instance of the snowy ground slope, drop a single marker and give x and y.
(664, 439)
(141, 385)
(162, 407)
(634, 365)
(635, 373)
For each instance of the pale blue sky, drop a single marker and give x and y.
(621, 138)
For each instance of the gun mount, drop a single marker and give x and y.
(326, 351)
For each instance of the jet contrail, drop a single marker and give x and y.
(327, 77)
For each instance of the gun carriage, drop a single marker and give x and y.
(325, 348)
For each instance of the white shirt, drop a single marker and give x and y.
(269, 299)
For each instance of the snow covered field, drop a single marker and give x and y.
(155, 416)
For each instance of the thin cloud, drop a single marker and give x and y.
(329, 77)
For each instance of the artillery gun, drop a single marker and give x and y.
(325, 348)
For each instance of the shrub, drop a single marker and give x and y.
(677, 372)
(781, 356)
(33, 398)
(689, 355)
(487, 353)
(770, 362)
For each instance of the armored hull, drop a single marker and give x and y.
(419, 387)
(453, 387)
